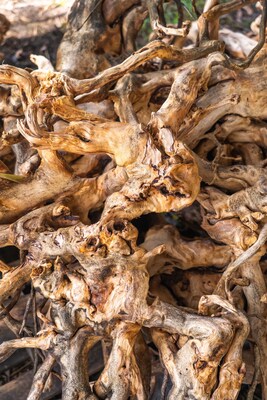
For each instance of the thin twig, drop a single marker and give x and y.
(256, 374)
(35, 328)
(26, 312)
(180, 11)
(164, 385)
(257, 48)
(40, 378)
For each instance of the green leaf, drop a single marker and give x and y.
(189, 8)
(12, 177)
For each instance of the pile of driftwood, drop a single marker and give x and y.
(97, 155)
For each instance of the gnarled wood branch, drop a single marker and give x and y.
(90, 152)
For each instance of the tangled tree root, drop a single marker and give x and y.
(107, 137)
